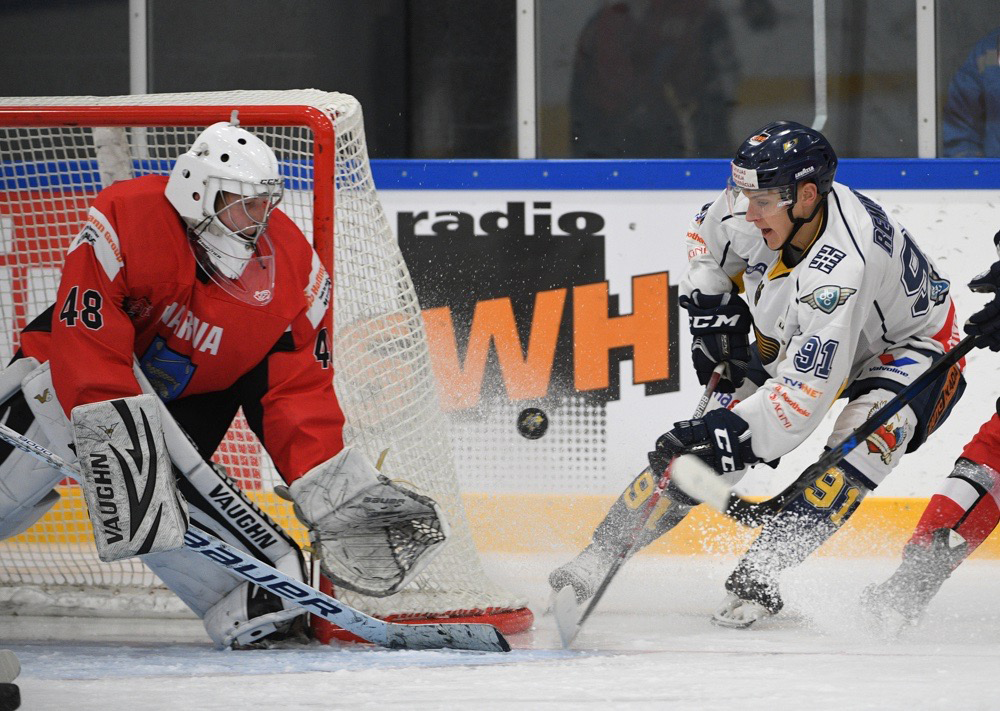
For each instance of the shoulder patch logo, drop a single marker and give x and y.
(940, 288)
(826, 259)
(827, 298)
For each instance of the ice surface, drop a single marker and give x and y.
(649, 645)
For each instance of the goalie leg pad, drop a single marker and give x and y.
(373, 535)
(26, 484)
(228, 607)
(39, 392)
(127, 478)
(250, 616)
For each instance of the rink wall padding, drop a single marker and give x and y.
(541, 524)
(546, 523)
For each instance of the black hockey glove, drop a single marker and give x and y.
(720, 324)
(721, 439)
(985, 323)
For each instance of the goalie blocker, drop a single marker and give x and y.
(372, 535)
(127, 478)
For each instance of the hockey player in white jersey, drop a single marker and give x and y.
(842, 303)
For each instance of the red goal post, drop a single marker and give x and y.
(56, 153)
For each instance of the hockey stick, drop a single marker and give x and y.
(478, 637)
(700, 482)
(564, 607)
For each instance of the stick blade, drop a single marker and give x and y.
(567, 614)
(475, 637)
(699, 481)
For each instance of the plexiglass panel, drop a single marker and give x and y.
(674, 79)
(968, 78)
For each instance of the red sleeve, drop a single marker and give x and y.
(302, 423)
(92, 337)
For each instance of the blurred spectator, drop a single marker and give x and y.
(653, 79)
(971, 125)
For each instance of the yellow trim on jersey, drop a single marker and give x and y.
(780, 269)
(767, 347)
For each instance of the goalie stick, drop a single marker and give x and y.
(475, 636)
(564, 607)
(700, 482)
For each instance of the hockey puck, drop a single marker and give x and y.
(532, 423)
(10, 697)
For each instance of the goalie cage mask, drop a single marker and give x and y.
(225, 188)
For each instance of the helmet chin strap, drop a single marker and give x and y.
(798, 222)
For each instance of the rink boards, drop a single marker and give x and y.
(552, 284)
(533, 258)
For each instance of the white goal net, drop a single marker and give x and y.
(58, 152)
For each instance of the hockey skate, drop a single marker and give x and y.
(900, 601)
(736, 613)
(749, 599)
(294, 635)
(584, 573)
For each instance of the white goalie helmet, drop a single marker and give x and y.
(225, 188)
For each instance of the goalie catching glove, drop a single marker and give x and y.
(127, 478)
(372, 535)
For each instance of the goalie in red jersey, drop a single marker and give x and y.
(963, 512)
(183, 299)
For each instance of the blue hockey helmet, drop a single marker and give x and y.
(779, 156)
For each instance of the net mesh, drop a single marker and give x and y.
(382, 364)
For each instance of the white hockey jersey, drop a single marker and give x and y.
(862, 287)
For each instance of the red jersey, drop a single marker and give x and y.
(131, 289)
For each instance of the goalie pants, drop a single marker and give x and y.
(216, 504)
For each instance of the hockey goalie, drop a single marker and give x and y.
(182, 299)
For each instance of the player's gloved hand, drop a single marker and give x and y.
(720, 324)
(985, 323)
(721, 439)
